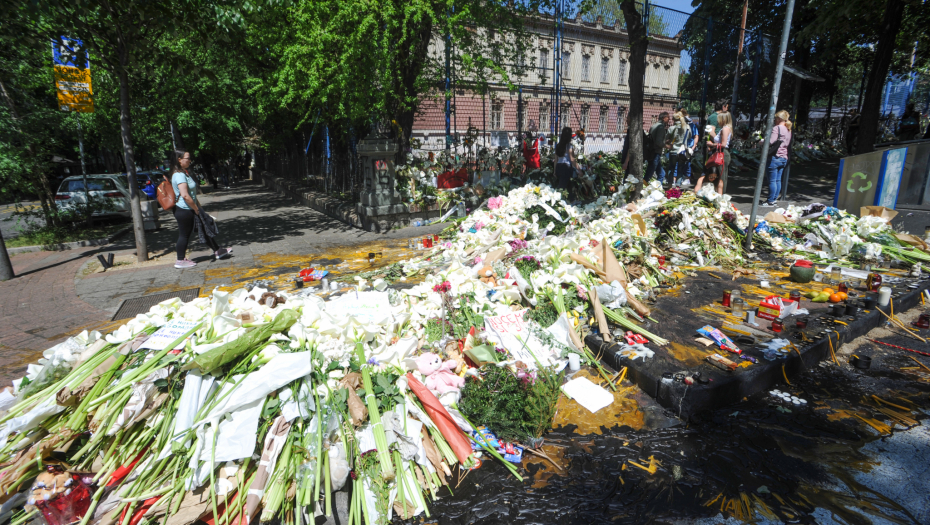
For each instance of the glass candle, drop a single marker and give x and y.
(436, 238)
(836, 274)
(737, 308)
(795, 295)
(923, 321)
(777, 326)
(734, 295)
(726, 298)
(801, 322)
(661, 260)
(842, 288)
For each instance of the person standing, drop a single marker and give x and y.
(530, 152)
(187, 212)
(655, 146)
(565, 162)
(852, 131)
(778, 155)
(909, 126)
(723, 138)
(720, 106)
(681, 157)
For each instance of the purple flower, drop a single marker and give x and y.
(372, 361)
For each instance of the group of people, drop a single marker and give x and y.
(675, 137)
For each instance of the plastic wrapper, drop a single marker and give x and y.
(69, 507)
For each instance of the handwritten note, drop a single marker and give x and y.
(511, 332)
(168, 334)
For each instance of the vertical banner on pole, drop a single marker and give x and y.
(72, 76)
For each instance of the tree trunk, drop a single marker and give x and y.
(638, 45)
(410, 62)
(887, 34)
(6, 267)
(125, 124)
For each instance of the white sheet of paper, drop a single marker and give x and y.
(551, 212)
(587, 394)
(366, 307)
(168, 334)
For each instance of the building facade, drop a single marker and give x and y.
(595, 91)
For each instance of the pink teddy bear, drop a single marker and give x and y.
(439, 376)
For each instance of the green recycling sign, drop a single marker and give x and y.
(864, 185)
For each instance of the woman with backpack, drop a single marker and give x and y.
(778, 155)
(189, 214)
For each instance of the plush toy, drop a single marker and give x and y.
(453, 353)
(439, 376)
(487, 275)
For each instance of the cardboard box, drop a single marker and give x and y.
(769, 309)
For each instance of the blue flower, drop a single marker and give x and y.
(472, 230)
(373, 362)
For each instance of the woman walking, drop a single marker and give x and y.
(565, 163)
(778, 151)
(681, 157)
(188, 213)
(723, 137)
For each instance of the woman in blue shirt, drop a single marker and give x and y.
(186, 210)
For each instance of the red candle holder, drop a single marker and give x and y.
(726, 298)
(777, 326)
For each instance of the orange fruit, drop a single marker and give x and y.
(835, 298)
(827, 291)
(842, 295)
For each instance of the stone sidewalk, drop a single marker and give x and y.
(58, 294)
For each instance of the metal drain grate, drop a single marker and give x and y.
(140, 305)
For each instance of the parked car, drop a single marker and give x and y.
(148, 182)
(106, 186)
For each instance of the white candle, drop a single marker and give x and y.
(574, 362)
(884, 296)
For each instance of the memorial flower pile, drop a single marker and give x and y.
(259, 405)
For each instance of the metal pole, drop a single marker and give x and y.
(556, 109)
(520, 110)
(861, 87)
(448, 86)
(707, 41)
(755, 80)
(779, 69)
(646, 16)
(794, 118)
(83, 168)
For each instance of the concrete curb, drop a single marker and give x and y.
(70, 245)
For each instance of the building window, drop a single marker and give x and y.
(585, 117)
(586, 68)
(566, 64)
(524, 116)
(602, 119)
(543, 62)
(622, 73)
(605, 70)
(565, 118)
(621, 113)
(497, 115)
(544, 111)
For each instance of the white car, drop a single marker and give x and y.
(109, 186)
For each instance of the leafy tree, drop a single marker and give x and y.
(356, 60)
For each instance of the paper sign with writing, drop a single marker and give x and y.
(511, 332)
(168, 334)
